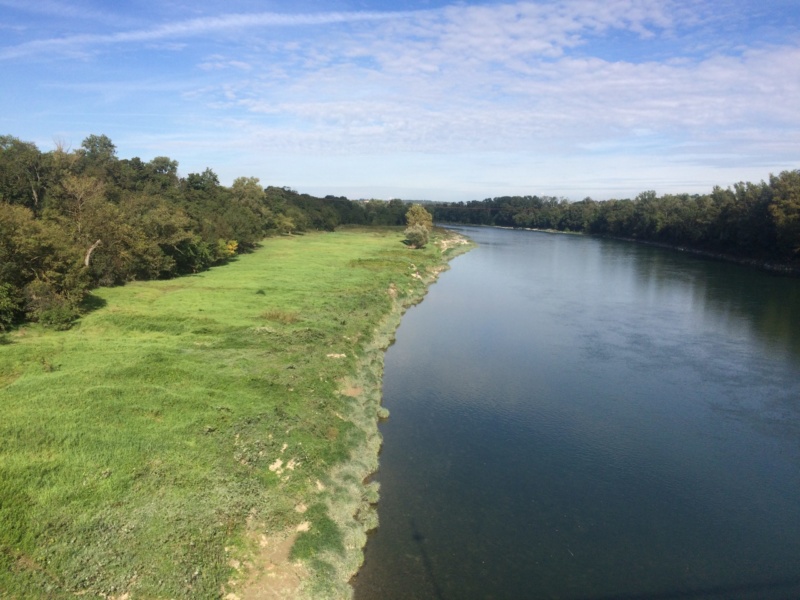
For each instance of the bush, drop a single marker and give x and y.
(417, 236)
(9, 306)
(60, 316)
(53, 305)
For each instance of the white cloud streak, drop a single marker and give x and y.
(573, 82)
(441, 83)
(192, 28)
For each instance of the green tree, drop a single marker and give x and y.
(98, 157)
(418, 216)
(785, 210)
(22, 173)
(98, 148)
(206, 181)
(41, 270)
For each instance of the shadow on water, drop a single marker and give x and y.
(426, 560)
(790, 586)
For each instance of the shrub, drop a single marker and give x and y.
(51, 306)
(417, 236)
(9, 306)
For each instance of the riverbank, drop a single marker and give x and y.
(792, 270)
(206, 435)
(777, 268)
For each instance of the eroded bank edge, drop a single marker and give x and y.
(352, 499)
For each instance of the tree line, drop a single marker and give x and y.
(74, 220)
(757, 221)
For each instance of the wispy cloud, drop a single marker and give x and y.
(533, 27)
(193, 28)
(218, 62)
(683, 84)
(63, 10)
(503, 78)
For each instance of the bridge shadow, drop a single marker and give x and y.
(417, 536)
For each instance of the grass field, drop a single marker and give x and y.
(138, 448)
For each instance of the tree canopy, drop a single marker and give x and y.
(417, 215)
(73, 220)
(759, 221)
(420, 223)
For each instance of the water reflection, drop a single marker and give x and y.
(733, 297)
(579, 418)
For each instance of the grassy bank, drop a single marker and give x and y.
(185, 428)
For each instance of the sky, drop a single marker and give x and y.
(419, 99)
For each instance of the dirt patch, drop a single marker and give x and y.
(353, 391)
(452, 241)
(269, 574)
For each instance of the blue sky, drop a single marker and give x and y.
(420, 99)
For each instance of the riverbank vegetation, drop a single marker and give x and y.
(184, 427)
(72, 220)
(420, 224)
(756, 221)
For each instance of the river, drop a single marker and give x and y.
(589, 419)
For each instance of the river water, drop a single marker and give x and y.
(590, 419)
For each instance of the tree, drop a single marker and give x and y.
(785, 210)
(41, 270)
(21, 173)
(205, 181)
(161, 174)
(98, 157)
(418, 216)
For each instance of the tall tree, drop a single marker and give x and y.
(417, 215)
(22, 173)
(785, 210)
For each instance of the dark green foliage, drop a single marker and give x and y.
(785, 210)
(9, 305)
(70, 221)
(755, 221)
(417, 236)
(40, 270)
(23, 172)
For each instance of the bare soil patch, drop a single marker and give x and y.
(353, 391)
(270, 574)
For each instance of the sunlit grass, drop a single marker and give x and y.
(134, 447)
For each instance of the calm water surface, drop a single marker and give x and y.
(586, 419)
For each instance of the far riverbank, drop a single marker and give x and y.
(792, 270)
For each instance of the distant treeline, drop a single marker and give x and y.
(756, 221)
(73, 220)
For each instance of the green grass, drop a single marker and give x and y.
(134, 447)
